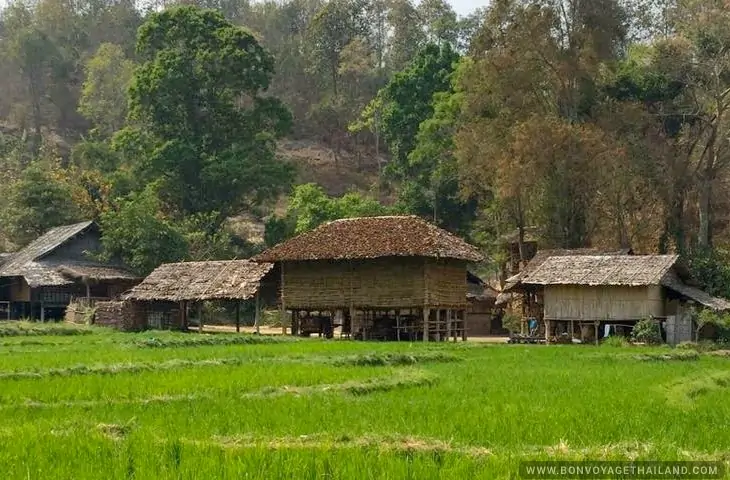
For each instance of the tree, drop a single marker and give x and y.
(104, 93)
(37, 201)
(137, 232)
(407, 37)
(309, 206)
(332, 29)
(440, 22)
(406, 101)
(197, 98)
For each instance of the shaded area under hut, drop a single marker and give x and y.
(388, 278)
(174, 292)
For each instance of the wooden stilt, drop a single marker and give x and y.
(43, 312)
(200, 317)
(397, 325)
(238, 316)
(448, 324)
(597, 326)
(184, 314)
(426, 314)
(547, 331)
(438, 325)
(572, 330)
(257, 314)
(282, 311)
(463, 325)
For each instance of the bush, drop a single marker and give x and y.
(511, 322)
(647, 331)
(615, 341)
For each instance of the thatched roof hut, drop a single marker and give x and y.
(621, 271)
(371, 264)
(200, 281)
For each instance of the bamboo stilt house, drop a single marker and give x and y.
(591, 295)
(164, 297)
(391, 277)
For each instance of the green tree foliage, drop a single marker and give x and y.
(310, 206)
(197, 96)
(36, 202)
(406, 101)
(104, 93)
(137, 232)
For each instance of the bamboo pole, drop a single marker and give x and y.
(257, 313)
(426, 314)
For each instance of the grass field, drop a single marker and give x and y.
(170, 405)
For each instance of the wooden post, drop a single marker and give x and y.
(88, 291)
(572, 330)
(184, 314)
(397, 325)
(257, 314)
(43, 313)
(238, 316)
(351, 311)
(448, 324)
(282, 311)
(438, 325)
(200, 317)
(547, 331)
(426, 314)
(463, 326)
(597, 324)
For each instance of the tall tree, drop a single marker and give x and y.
(104, 93)
(209, 130)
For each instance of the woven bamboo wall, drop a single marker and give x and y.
(126, 316)
(446, 283)
(378, 283)
(567, 302)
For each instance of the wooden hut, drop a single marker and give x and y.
(391, 277)
(587, 295)
(40, 280)
(164, 297)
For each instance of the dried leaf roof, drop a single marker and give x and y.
(196, 281)
(372, 237)
(30, 263)
(632, 270)
(542, 255)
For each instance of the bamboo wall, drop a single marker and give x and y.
(385, 283)
(573, 302)
(446, 283)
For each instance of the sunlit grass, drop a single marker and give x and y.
(105, 405)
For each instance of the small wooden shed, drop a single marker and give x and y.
(165, 296)
(579, 292)
(390, 277)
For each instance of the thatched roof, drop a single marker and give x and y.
(32, 264)
(631, 270)
(372, 237)
(542, 255)
(620, 270)
(196, 281)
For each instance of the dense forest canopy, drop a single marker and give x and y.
(593, 122)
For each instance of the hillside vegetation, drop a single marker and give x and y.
(213, 129)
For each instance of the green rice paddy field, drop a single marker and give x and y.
(97, 404)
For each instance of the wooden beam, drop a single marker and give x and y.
(448, 324)
(257, 313)
(282, 311)
(426, 314)
(438, 325)
(463, 325)
(200, 317)
(238, 316)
